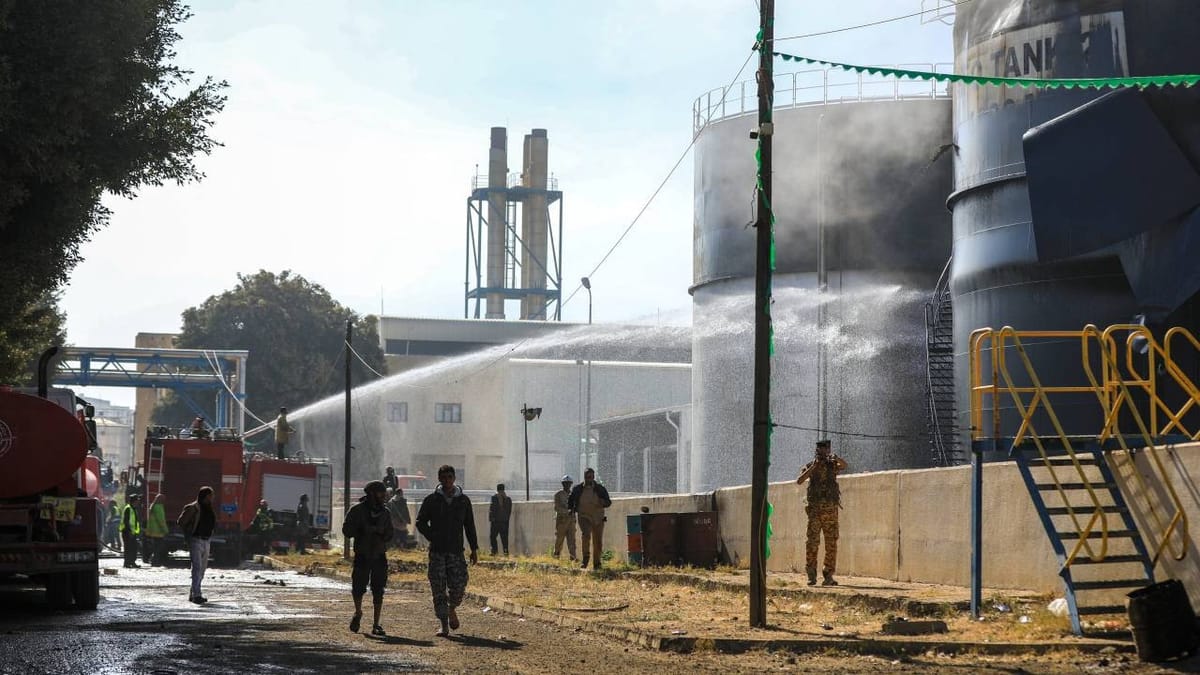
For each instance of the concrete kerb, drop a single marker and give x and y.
(685, 644)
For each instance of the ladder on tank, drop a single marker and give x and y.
(944, 445)
(154, 468)
(1076, 482)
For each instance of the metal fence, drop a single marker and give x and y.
(822, 86)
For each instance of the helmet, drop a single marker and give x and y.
(263, 503)
(567, 479)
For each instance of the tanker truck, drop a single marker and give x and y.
(48, 526)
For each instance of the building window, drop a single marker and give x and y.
(397, 412)
(447, 412)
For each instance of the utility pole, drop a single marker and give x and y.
(346, 465)
(762, 324)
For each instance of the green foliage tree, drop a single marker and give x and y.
(295, 333)
(91, 103)
(36, 326)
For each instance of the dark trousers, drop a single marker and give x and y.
(499, 527)
(155, 551)
(130, 543)
(302, 540)
(369, 571)
(279, 450)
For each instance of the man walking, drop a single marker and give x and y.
(499, 513)
(564, 522)
(156, 532)
(370, 525)
(588, 501)
(283, 433)
(390, 480)
(197, 521)
(824, 500)
(443, 518)
(303, 525)
(131, 529)
(397, 507)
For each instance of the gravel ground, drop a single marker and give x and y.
(263, 621)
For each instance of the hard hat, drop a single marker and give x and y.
(567, 479)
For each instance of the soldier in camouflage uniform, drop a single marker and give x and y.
(824, 500)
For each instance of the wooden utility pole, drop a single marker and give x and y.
(762, 324)
(346, 465)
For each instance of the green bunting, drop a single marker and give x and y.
(1142, 81)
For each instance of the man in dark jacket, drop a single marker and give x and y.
(588, 501)
(303, 524)
(499, 513)
(370, 525)
(443, 518)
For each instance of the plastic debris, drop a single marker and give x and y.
(1058, 607)
(1002, 608)
(827, 626)
(679, 632)
(1024, 619)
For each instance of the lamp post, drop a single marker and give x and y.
(529, 414)
(587, 284)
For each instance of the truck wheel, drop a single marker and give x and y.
(86, 587)
(58, 590)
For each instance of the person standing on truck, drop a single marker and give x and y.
(199, 428)
(303, 524)
(198, 520)
(131, 529)
(283, 433)
(499, 513)
(156, 532)
(370, 525)
(444, 517)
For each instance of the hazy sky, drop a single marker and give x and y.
(353, 129)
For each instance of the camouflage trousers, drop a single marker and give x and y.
(822, 519)
(447, 580)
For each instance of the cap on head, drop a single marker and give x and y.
(389, 470)
(375, 486)
(283, 410)
(204, 492)
(567, 479)
(303, 498)
(823, 443)
(500, 487)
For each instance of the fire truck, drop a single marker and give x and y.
(49, 526)
(177, 466)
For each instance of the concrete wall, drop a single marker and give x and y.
(914, 525)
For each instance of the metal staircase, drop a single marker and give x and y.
(944, 444)
(1091, 491)
(1100, 551)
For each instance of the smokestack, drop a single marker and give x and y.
(535, 224)
(496, 219)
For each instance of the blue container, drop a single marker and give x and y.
(633, 524)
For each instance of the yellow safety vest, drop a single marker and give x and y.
(131, 513)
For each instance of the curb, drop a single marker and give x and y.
(687, 645)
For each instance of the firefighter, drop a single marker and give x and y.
(199, 428)
(283, 433)
(261, 527)
(303, 524)
(156, 532)
(131, 529)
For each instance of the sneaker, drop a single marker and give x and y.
(355, 622)
(377, 630)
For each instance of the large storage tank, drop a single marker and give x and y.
(872, 169)
(998, 277)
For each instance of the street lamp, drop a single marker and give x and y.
(530, 414)
(587, 284)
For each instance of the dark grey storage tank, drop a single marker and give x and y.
(876, 172)
(997, 276)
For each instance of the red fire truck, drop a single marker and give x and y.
(48, 526)
(178, 467)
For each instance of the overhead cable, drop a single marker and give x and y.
(873, 23)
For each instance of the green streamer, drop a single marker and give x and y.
(1141, 81)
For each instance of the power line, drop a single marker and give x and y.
(362, 360)
(840, 433)
(872, 23)
(682, 156)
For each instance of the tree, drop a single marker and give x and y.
(295, 333)
(36, 327)
(91, 103)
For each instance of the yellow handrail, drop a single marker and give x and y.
(1098, 515)
(1113, 389)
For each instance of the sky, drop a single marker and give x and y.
(353, 129)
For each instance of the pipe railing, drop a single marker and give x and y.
(821, 86)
